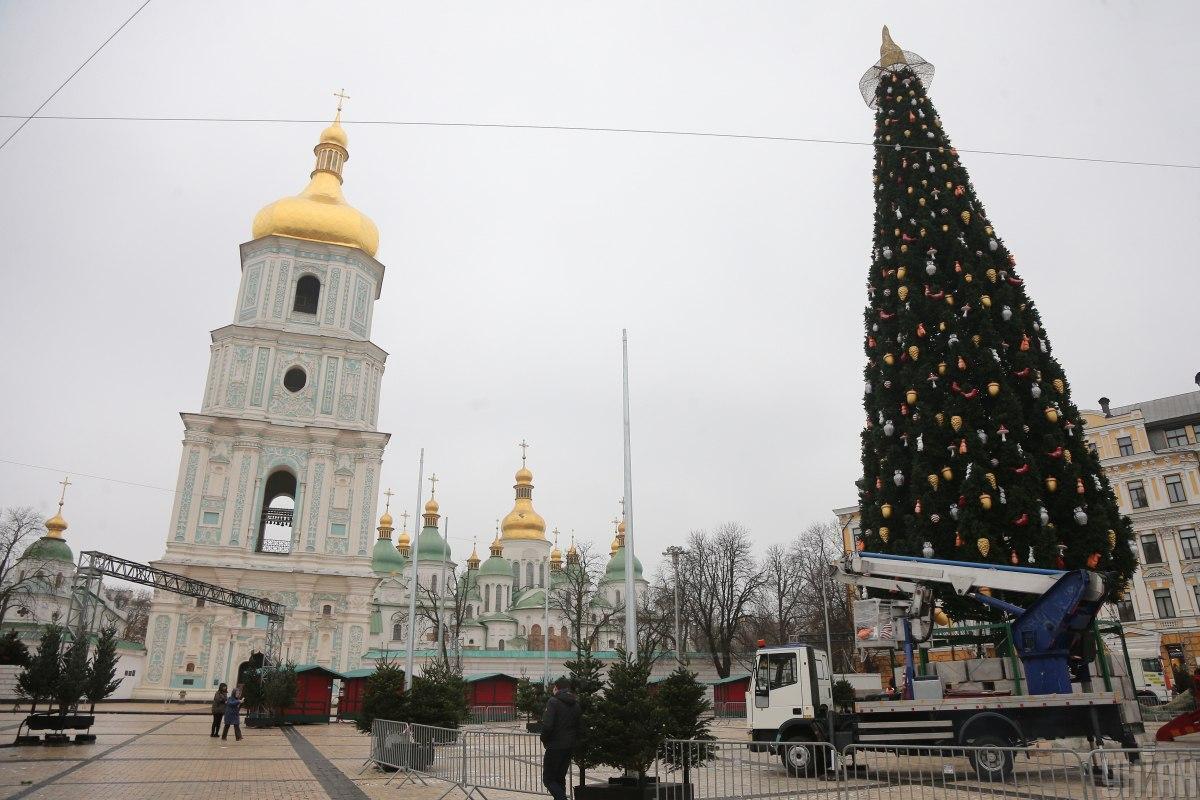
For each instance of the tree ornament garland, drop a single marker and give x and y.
(961, 386)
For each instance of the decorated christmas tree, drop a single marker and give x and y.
(973, 449)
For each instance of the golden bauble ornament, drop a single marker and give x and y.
(901, 272)
(910, 396)
(976, 339)
(949, 185)
(966, 216)
(993, 388)
(903, 292)
(886, 510)
(947, 473)
(991, 479)
(942, 366)
(914, 352)
(986, 301)
(949, 299)
(984, 544)
(940, 618)
(884, 533)
(889, 359)
(956, 423)
(1059, 386)
(933, 480)
(1051, 484)
(1051, 414)
(903, 248)
(920, 202)
(968, 277)
(940, 417)
(991, 275)
(1067, 456)
(945, 228)
(1112, 538)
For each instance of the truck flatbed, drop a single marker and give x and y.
(986, 703)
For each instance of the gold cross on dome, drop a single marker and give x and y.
(433, 481)
(388, 504)
(555, 532)
(615, 523)
(524, 445)
(404, 520)
(65, 482)
(341, 96)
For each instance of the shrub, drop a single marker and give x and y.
(383, 697)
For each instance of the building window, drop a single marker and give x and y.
(1150, 552)
(1177, 437)
(1125, 443)
(308, 291)
(487, 599)
(294, 379)
(244, 619)
(1092, 448)
(1189, 543)
(1175, 488)
(529, 573)
(211, 518)
(397, 632)
(190, 667)
(1196, 595)
(199, 602)
(1125, 610)
(541, 574)
(1137, 494)
(433, 583)
(326, 611)
(1164, 603)
(517, 574)
(58, 579)
(129, 673)
(1196, 432)
(501, 644)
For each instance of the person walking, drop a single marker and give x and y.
(218, 709)
(232, 707)
(560, 733)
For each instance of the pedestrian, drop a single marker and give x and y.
(560, 733)
(232, 707)
(218, 709)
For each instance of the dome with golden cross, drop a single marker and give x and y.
(523, 523)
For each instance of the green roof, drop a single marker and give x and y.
(431, 546)
(299, 668)
(496, 565)
(386, 558)
(50, 548)
(496, 616)
(486, 676)
(744, 676)
(615, 571)
(531, 598)
(365, 672)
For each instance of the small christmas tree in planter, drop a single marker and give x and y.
(531, 701)
(627, 730)
(687, 717)
(587, 678)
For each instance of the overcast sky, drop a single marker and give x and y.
(515, 257)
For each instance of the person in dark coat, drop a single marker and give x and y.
(218, 709)
(232, 707)
(560, 733)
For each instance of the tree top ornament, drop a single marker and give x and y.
(892, 59)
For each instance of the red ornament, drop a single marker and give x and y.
(1022, 520)
(1060, 562)
(971, 395)
(920, 329)
(958, 542)
(1079, 486)
(1024, 373)
(1013, 280)
(1093, 561)
(962, 446)
(917, 507)
(888, 315)
(1021, 470)
(1024, 342)
(1013, 558)
(1056, 452)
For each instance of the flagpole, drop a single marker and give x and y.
(412, 583)
(444, 592)
(630, 599)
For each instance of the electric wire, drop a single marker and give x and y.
(595, 129)
(25, 120)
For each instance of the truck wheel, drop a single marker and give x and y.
(802, 758)
(992, 763)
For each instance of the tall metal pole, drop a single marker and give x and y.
(675, 551)
(829, 650)
(630, 596)
(546, 634)
(445, 558)
(412, 583)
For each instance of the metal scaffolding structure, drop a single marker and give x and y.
(94, 565)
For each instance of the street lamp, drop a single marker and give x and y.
(675, 551)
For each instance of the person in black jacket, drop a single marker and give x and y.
(560, 732)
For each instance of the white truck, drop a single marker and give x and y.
(790, 704)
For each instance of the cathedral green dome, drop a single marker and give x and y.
(496, 566)
(386, 558)
(615, 571)
(430, 545)
(531, 599)
(50, 548)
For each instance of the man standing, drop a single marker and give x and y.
(560, 732)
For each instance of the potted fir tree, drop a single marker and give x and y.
(531, 701)
(587, 679)
(687, 715)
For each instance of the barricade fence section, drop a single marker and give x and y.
(1153, 773)
(725, 769)
(482, 715)
(730, 709)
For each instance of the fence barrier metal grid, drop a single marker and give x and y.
(725, 769)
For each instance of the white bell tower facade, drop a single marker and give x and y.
(278, 476)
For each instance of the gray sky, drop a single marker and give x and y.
(515, 257)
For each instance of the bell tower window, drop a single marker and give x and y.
(308, 292)
(279, 506)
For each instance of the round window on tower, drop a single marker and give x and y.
(294, 379)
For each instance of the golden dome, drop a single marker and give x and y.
(473, 560)
(616, 545)
(523, 522)
(403, 540)
(320, 212)
(386, 520)
(556, 554)
(56, 525)
(572, 550)
(432, 506)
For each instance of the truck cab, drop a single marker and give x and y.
(791, 694)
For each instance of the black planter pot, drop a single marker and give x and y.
(410, 755)
(533, 727)
(628, 789)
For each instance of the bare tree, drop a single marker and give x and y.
(453, 604)
(720, 584)
(135, 605)
(814, 551)
(779, 604)
(20, 576)
(575, 598)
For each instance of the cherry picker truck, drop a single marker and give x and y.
(790, 708)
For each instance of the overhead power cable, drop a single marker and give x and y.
(593, 129)
(25, 120)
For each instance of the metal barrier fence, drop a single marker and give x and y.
(481, 715)
(724, 769)
(1153, 711)
(469, 760)
(729, 709)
